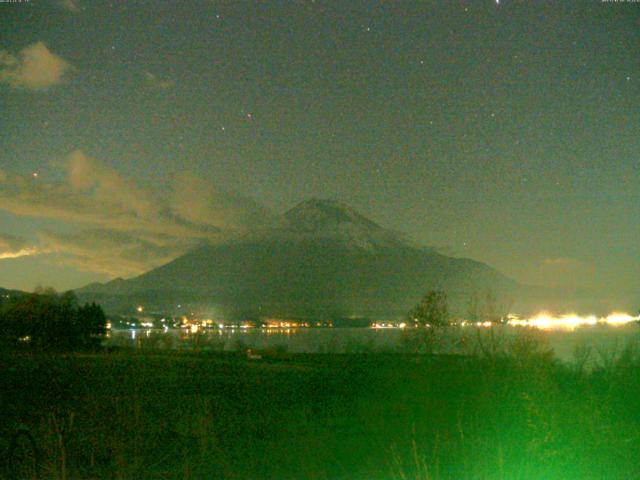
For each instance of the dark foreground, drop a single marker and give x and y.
(161, 415)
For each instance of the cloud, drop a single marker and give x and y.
(70, 6)
(158, 83)
(118, 254)
(11, 243)
(564, 262)
(201, 203)
(93, 194)
(122, 228)
(14, 247)
(106, 186)
(36, 68)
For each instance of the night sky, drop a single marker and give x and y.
(507, 132)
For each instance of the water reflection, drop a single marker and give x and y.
(564, 342)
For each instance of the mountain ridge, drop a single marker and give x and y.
(324, 259)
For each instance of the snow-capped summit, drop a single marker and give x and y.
(317, 214)
(334, 220)
(324, 259)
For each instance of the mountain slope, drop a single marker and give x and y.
(325, 259)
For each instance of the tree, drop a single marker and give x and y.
(432, 310)
(47, 321)
(91, 325)
(485, 307)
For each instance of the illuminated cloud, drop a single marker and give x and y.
(36, 68)
(10, 242)
(24, 196)
(24, 252)
(561, 262)
(122, 228)
(89, 177)
(115, 253)
(201, 203)
(14, 247)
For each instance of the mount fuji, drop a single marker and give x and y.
(323, 259)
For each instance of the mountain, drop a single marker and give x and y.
(324, 259)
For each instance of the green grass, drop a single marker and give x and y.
(515, 413)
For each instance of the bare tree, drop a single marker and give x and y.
(432, 310)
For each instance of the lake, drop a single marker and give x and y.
(603, 340)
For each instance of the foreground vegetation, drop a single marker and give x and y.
(508, 413)
(48, 321)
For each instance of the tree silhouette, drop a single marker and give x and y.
(45, 320)
(432, 310)
(91, 324)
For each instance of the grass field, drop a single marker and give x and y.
(517, 414)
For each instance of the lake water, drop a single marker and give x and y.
(603, 340)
